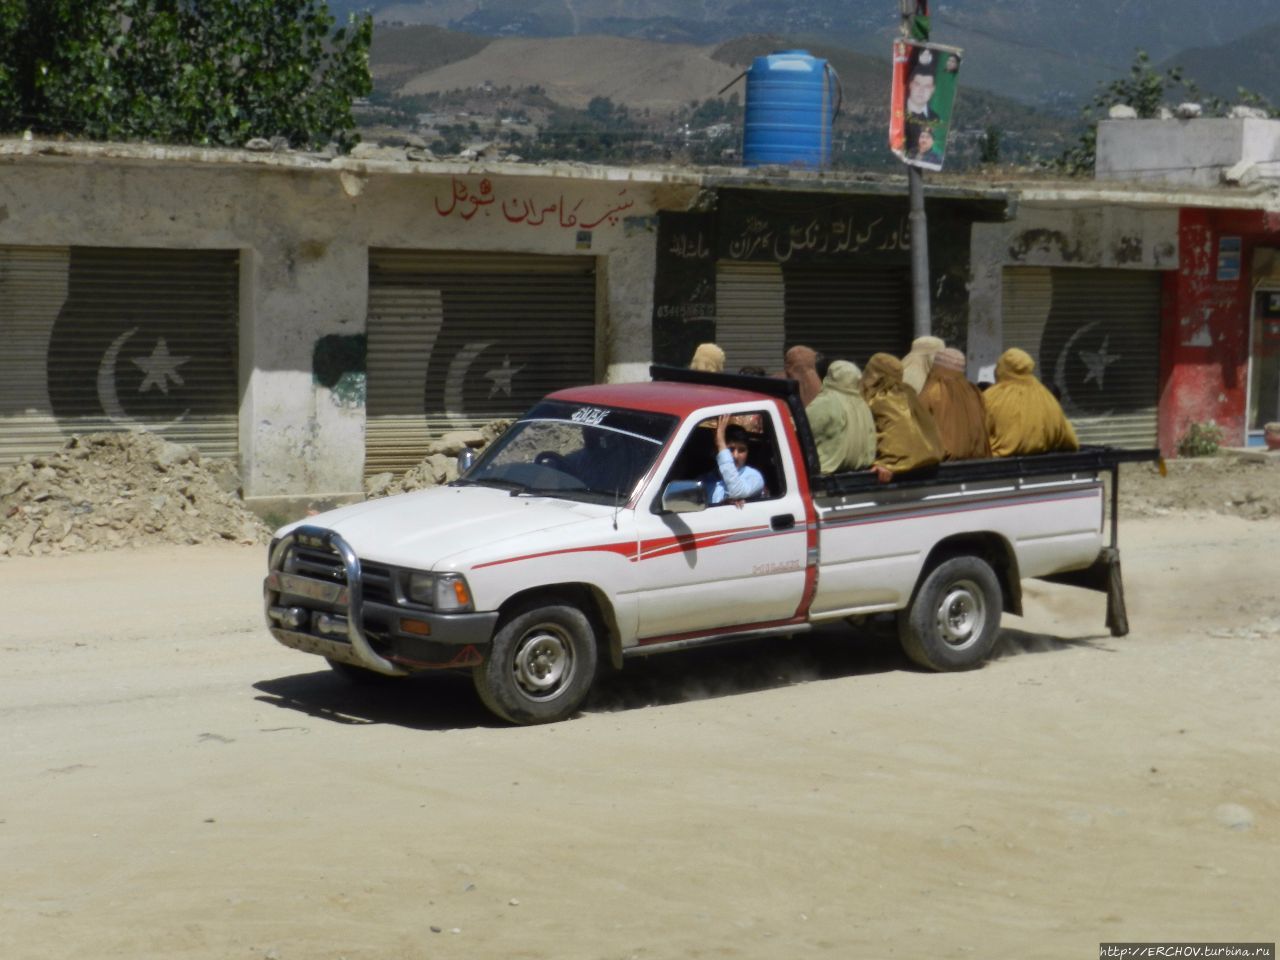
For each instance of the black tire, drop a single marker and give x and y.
(541, 665)
(359, 676)
(954, 618)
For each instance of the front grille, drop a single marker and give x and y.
(316, 563)
(321, 564)
(376, 583)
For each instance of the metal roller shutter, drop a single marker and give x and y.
(456, 340)
(849, 314)
(750, 312)
(118, 339)
(1095, 337)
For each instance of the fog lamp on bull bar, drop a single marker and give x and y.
(446, 592)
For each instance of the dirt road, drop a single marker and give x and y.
(176, 785)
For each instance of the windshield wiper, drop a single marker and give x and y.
(514, 486)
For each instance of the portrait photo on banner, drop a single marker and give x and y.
(922, 101)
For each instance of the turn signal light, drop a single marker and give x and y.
(415, 626)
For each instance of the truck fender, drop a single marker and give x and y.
(590, 600)
(992, 548)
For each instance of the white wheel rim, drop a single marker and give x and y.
(961, 615)
(543, 662)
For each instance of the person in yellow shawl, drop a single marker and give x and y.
(906, 436)
(1022, 415)
(843, 428)
(708, 358)
(957, 408)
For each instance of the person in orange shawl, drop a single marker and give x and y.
(957, 408)
(1022, 415)
(906, 436)
(801, 365)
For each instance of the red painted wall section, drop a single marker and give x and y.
(1205, 328)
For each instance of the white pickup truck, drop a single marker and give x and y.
(583, 535)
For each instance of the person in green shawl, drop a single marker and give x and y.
(841, 421)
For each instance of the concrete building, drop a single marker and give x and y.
(314, 317)
(322, 319)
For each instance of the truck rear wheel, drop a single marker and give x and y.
(541, 664)
(954, 618)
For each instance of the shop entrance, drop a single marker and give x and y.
(1264, 362)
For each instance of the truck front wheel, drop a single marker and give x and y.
(954, 618)
(541, 664)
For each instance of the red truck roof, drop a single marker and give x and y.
(678, 399)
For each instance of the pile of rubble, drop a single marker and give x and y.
(440, 465)
(103, 491)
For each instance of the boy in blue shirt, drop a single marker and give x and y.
(732, 480)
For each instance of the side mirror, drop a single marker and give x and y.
(466, 459)
(684, 496)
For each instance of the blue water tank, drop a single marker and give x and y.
(792, 98)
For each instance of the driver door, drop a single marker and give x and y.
(727, 566)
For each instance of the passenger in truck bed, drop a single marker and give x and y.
(1022, 415)
(841, 422)
(906, 436)
(801, 365)
(956, 407)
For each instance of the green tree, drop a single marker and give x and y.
(182, 71)
(1146, 90)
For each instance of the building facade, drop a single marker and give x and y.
(323, 319)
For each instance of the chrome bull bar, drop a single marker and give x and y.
(287, 623)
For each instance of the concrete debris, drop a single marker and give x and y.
(439, 466)
(103, 491)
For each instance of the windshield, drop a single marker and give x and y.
(574, 451)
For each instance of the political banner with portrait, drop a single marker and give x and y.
(923, 98)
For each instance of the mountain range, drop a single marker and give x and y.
(1051, 53)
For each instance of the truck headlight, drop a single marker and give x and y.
(445, 592)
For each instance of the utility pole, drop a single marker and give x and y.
(915, 26)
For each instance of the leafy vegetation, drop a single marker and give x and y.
(1202, 439)
(182, 71)
(1146, 90)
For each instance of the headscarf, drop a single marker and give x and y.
(906, 437)
(708, 358)
(841, 421)
(956, 407)
(916, 364)
(801, 364)
(1022, 415)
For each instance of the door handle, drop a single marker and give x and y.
(783, 521)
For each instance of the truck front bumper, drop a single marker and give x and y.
(328, 615)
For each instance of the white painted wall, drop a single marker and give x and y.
(304, 227)
(1195, 152)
